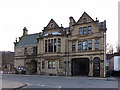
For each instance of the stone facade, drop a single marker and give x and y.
(7, 61)
(74, 50)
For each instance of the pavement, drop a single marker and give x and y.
(11, 84)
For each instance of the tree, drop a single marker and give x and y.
(110, 49)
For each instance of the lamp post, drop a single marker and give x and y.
(67, 53)
(104, 54)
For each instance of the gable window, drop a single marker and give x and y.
(81, 31)
(79, 45)
(84, 45)
(73, 46)
(84, 30)
(84, 19)
(90, 45)
(97, 44)
(89, 29)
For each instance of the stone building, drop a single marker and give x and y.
(57, 50)
(7, 61)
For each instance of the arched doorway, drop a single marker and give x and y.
(96, 67)
(80, 67)
(31, 67)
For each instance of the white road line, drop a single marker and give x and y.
(40, 85)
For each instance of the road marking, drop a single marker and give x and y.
(28, 84)
(40, 85)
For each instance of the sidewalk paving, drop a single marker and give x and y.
(11, 84)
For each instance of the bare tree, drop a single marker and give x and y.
(110, 49)
(118, 49)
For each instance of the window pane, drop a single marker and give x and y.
(90, 45)
(84, 45)
(53, 64)
(96, 44)
(80, 31)
(45, 45)
(73, 46)
(84, 30)
(89, 29)
(49, 64)
(59, 44)
(60, 63)
(43, 64)
(79, 46)
(49, 45)
(54, 45)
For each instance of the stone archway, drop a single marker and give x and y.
(31, 67)
(80, 67)
(96, 67)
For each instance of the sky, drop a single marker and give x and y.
(36, 14)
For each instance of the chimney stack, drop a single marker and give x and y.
(72, 21)
(25, 31)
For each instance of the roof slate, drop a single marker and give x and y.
(28, 40)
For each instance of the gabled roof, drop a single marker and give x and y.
(28, 40)
(51, 25)
(84, 15)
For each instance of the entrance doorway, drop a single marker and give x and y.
(96, 67)
(31, 67)
(80, 67)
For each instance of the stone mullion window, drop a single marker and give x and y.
(43, 64)
(51, 45)
(97, 44)
(89, 29)
(81, 31)
(84, 45)
(80, 47)
(51, 64)
(89, 44)
(55, 45)
(73, 46)
(60, 64)
(25, 51)
(46, 46)
(59, 45)
(84, 30)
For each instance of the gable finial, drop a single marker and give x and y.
(61, 25)
(16, 40)
(96, 18)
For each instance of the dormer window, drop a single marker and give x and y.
(84, 19)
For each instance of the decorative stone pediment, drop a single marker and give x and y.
(85, 18)
(51, 25)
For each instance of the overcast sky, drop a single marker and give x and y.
(35, 14)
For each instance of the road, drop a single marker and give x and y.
(36, 81)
